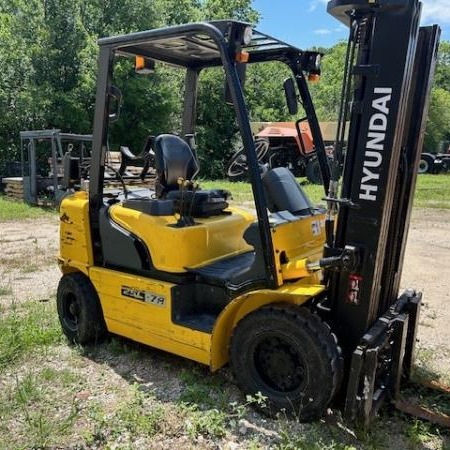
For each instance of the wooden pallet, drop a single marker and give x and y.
(13, 187)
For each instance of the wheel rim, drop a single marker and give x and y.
(423, 166)
(71, 311)
(280, 364)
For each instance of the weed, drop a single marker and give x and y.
(26, 327)
(313, 438)
(138, 418)
(64, 376)
(42, 428)
(212, 422)
(418, 432)
(207, 392)
(27, 390)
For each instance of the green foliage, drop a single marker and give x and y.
(264, 92)
(438, 128)
(139, 416)
(326, 94)
(442, 75)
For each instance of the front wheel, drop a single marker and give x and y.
(79, 309)
(290, 356)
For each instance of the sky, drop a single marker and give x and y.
(306, 23)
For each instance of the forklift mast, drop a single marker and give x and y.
(389, 74)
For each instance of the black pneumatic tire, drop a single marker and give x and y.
(426, 163)
(290, 356)
(79, 309)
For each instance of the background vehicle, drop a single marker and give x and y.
(434, 162)
(285, 144)
(303, 308)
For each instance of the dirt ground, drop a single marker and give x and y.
(28, 271)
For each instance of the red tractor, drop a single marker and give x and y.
(282, 144)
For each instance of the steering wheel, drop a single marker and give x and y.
(238, 166)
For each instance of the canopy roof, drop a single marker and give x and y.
(200, 44)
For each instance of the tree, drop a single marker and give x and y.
(16, 93)
(327, 93)
(438, 125)
(442, 76)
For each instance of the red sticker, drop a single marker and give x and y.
(354, 286)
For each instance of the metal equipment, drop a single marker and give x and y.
(41, 160)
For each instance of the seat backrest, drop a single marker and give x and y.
(283, 193)
(173, 159)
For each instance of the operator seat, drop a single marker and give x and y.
(174, 159)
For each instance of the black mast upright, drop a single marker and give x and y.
(383, 144)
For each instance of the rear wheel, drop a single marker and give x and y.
(290, 356)
(426, 163)
(79, 309)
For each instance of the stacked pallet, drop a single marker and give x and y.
(13, 187)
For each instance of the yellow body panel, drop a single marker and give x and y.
(174, 249)
(75, 248)
(301, 239)
(146, 322)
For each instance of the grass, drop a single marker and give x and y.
(25, 328)
(242, 191)
(432, 191)
(15, 210)
(66, 399)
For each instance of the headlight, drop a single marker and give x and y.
(318, 62)
(248, 35)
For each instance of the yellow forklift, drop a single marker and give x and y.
(298, 305)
